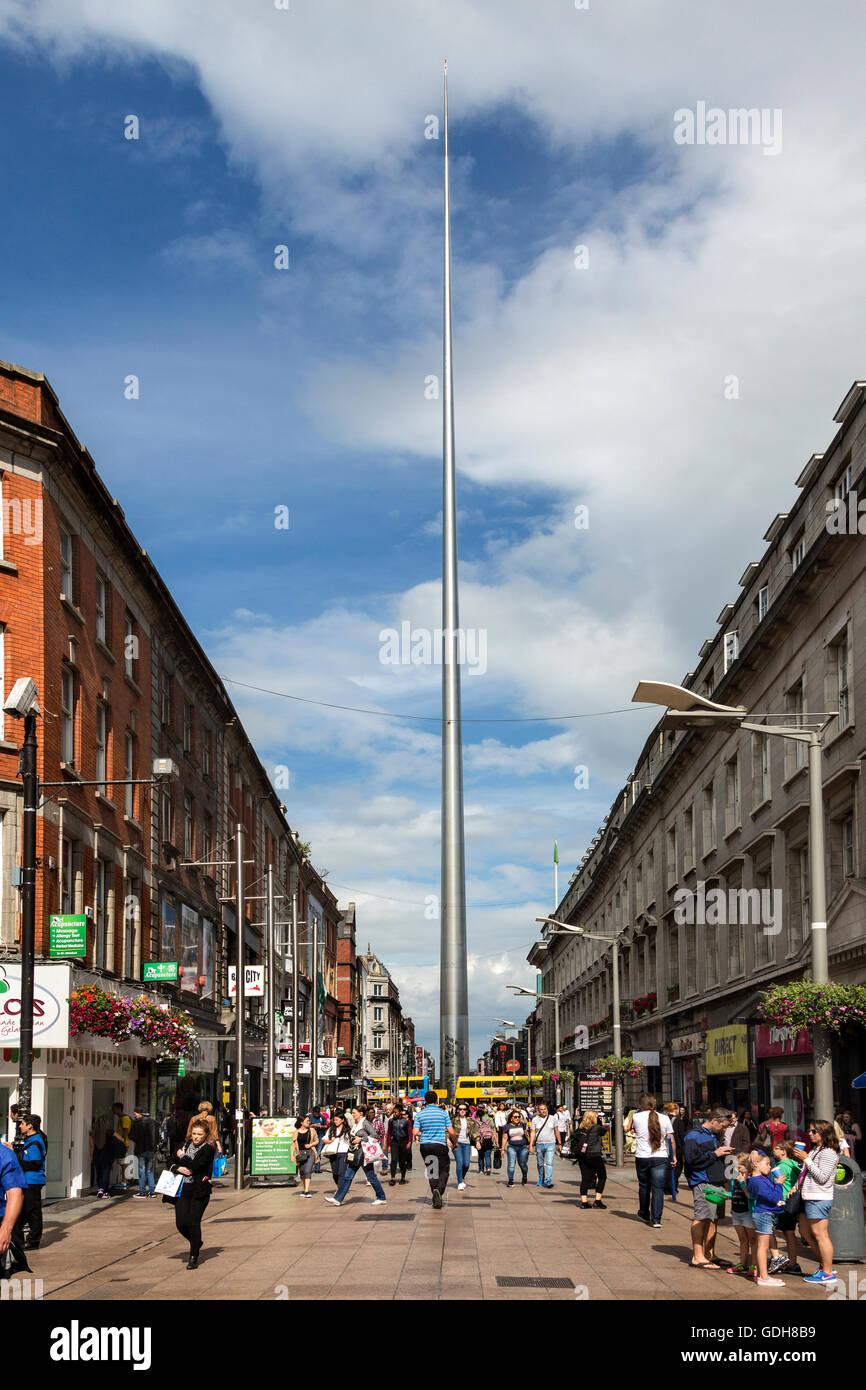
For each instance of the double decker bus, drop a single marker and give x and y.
(492, 1089)
(409, 1088)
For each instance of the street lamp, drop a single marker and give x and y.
(21, 704)
(564, 929)
(518, 989)
(685, 709)
(521, 1028)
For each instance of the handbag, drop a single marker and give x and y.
(497, 1158)
(372, 1150)
(169, 1184)
(330, 1150)
(220, 1166)
(794, 1199)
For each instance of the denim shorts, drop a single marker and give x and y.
(743, 1218)
(817, 1211)
(765, 1222)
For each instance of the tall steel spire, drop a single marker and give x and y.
(453, 983)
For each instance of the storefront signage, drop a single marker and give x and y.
(687, 1044)
(159, 970)
(727, 1051)
(50, 1005)
(67, 934)
(327, 1066)
(771, 1041)
(595, 1091)
(254, 980)
(649, 1059)
(272, 1145)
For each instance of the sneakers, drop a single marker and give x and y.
(437, 1198)
(770, 1283)
(140, 1197)
(524, 1180)
(402, 1180)
(656, 1225)
(793, 1269)
(460, 1186)
(378, 1202)
(599, 1204)
(548, 1184)
(819, 1277)
(333, 1201)
(776, 1263)
(510, 1182)
(393, 1182)
(306, 1194)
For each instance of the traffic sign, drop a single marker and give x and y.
(67, 934)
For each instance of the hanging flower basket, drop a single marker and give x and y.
(620, 1066)
(558, 1078)
(807, 1004)
(120, 1018)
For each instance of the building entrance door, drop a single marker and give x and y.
(56, 1123)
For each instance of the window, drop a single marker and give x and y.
(711, 952)
(848, 847)
(187, 727)
(378, 1041)
(207, 839)
(100, 912)
(167, 827)
(638, 885)
(841, 672)
(650, 877)
(763, 602)
(732, 794)
(101, 747)
(2, 672)
(796, 753)
(66, 574)
(760, 769)
(691, 961)
(131, 917)
(165, 698)
(377, 990)
(842, 485)
(66, 897)
(129, 773)
(100, 609)
(205, 752)
(732, 647)
(799, 923)
(673, 964)
(187, 828)
(67, 717)
(688, 838)
(798, 552)
(377, 1015)
(710, 684)
(709, 835)
(736, 958)
(764, 884)
(672, 855)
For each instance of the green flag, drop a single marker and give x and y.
(555, 853)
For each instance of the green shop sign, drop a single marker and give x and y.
(160, 970)
(67, 934)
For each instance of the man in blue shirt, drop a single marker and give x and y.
(33, 1167)
(12, 1185)
(704, 1164)
(433, 1128)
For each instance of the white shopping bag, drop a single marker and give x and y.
(169, 1184)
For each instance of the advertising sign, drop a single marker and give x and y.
(254, 980)
(160, 970)
(272, 1145)
(649, 1059)
(727, 1051)
(50, 1005)
(771, 1041)
(67, 934)
(595, 1091)
(327, 1066)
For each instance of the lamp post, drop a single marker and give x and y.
(685, 709)
(565, 929)
(21, 704)
(518, 989)
(521, 1028)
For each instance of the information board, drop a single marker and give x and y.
(272, 1145)
(595, 1091)
(67, 934)
(159, 970)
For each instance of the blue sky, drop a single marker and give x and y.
(305, 387)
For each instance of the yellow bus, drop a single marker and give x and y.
(492, 1089)
(409, 1088)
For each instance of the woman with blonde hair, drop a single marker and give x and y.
(205, 1112)
(586, 1147)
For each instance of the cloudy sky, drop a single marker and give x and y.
(672, 376)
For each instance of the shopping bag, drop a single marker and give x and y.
(372, 1150)
(169, 1184)
(220, 1166)
(497, 1158)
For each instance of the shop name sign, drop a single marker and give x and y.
(160, 970)
(67, 934)
(50, 1005)
(773, 1041)
(727, 1051)
(254, 980)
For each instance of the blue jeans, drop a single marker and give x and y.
(463, 1159)
(652, 1177)
(516, 1153)
(145, 1174)
(485, 1159)
(348, 1178)
(544, 1153)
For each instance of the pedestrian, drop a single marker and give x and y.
(704, 1163)
(102, 1152)
(773, 1129)
(852, 1134)
(500, 1120)
(766, 1201)
(194, 1161)
(319, 1126)
(467, 1131)
(741, 1135)
(145, 1136)
(361, 1132)
(122, 1128)
(32, 1163)
(305, 1151)
(748, 1120)
(672, 1110)
(653, 1160)
(486, 1142)
(336, 1146)
(741, 1216)
(789, 1162)
(563, 1124)
(12, 1128)
(515, 1143)
(433, 1130)
(398, 1141)
(545, 1141)
(13, 1184)
(385, 1117)
(817, 1193)
(586, 1145)
(205, 1112)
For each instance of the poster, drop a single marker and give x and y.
(595, 1091)
(272, 1145)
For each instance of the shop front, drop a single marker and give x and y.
(785, 1074)
(687, 1074)
(727, 1066)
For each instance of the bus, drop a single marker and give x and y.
(492, 1089)
(409, 1088)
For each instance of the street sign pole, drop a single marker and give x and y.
(314, 1025)
(295, 1004)
(240, 1129)
(30, 786)
(270, 987)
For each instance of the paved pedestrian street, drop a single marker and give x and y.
(488, 1242)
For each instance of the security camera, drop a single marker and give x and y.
(21, 699)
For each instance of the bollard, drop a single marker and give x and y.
(846, 1227)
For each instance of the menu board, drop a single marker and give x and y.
(595, 1091)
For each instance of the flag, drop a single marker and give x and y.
(555, 853)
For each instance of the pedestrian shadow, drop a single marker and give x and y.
(209, 1252)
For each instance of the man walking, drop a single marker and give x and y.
(704, 1163)
(122, 1128)
(144, 1135)
(33, 1167)
(433, 1130)
(563, 1124)
(544, 1142)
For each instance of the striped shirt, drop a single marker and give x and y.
(431, 1123)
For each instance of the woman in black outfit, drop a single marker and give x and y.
(586, 1146)
(678, 1123)
(194, 1160)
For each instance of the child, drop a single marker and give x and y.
(742, 1218)
(786, 1157)
(765, 1198)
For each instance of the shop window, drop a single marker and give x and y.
(732, 795)
(709, 825)
(796, 753)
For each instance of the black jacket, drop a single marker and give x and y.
(201, 1168)
(591, 1138)
(145, 1135)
